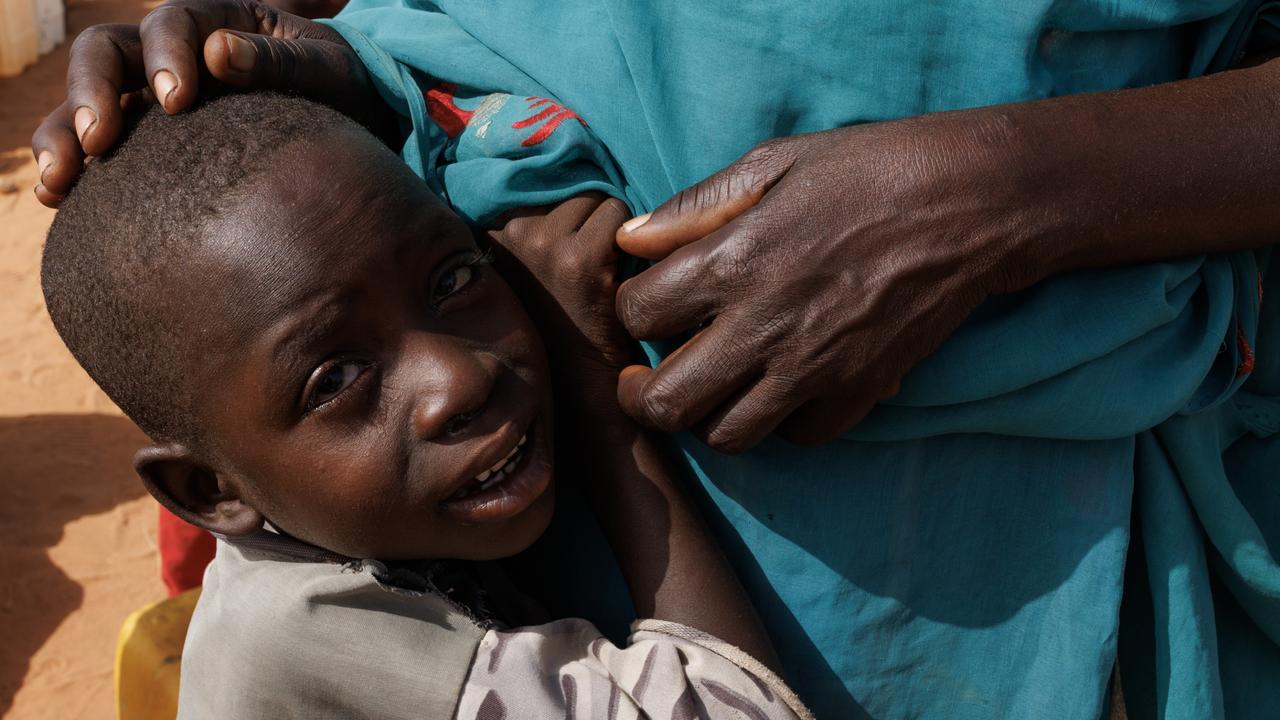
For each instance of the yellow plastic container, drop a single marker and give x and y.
(19, 36)
(149, 658)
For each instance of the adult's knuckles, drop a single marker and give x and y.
(96, 39)
(634, 309)
(765, 161)
(276, 59)
(48, 133)
(726, 263)
(168, 20)
(660, 407)
(730, 441)
(96, 55)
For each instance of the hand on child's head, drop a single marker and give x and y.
(239, 44)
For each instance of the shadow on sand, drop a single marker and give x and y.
(53, 469)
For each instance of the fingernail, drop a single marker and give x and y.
(631, 371)
(635, 222)
(164, 83)
(40, 188)
(240, 53)
(85, 119)
(43, 161)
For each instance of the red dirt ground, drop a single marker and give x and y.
(77, 533)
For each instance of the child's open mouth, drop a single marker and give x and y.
(506, 489)
(493, 475)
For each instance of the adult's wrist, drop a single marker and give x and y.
(990, 166)
(1144, 174)
(1050, 217)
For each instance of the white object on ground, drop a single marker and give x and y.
(18, 38)
(51, 25)
(28, 29)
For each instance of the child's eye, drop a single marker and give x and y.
(453, 281)
(330, 380)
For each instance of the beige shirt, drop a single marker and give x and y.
(285, 630)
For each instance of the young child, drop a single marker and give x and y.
(341, 389)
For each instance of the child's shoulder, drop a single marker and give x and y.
(320, 632)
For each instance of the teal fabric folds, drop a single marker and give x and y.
(1103, 436)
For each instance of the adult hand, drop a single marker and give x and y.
(817, 270)
(241, 44)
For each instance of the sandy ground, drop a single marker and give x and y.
(77, 534)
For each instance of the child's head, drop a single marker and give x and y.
(306, 333)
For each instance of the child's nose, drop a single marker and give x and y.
(454, 385)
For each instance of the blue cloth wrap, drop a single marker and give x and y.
(1086, 470)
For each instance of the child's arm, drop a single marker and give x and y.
(672, 566)
(568, 263)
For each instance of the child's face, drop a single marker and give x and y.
(370, 372)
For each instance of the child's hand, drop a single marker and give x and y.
(563, 262)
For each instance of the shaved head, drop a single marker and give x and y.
(109, 274)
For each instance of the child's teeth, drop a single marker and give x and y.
(502, 467)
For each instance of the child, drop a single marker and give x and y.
(341, 389)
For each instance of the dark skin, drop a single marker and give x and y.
(372, 366)
(310, 9)
(564, 263)
(823, 267)
(821, 293)
(239, 43)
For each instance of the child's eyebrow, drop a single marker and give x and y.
(301, 336)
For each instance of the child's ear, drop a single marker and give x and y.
(191, 490)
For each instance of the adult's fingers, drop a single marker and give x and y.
(105, 63)
(828, 417)
(677, 294)
(743, 422)
(822, 420)
(700, 210)
(322, 70)
(172, 37)
(689, 384)
(58, 155)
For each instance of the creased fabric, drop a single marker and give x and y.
(279, 633)
(962, 553)
(666, 671)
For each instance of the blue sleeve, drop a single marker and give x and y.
(483, 135)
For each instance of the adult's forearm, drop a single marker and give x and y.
(1140, 175)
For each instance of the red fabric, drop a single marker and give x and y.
(441, 108)
(553, 114)
(1246, 354)
(185, 551)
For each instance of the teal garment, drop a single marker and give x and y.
(963, 553)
